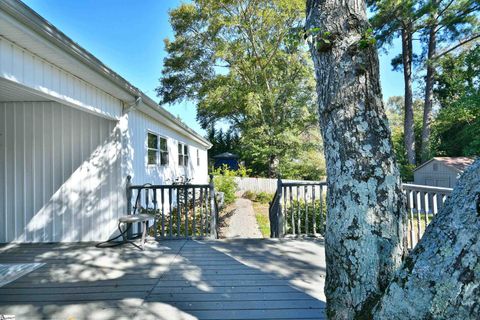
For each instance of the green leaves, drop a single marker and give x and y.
(367, 40)
(457, 126)
(294, 38)
(244, 63)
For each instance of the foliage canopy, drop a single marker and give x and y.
(236, 61)
(457, 125)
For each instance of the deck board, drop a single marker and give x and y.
(182, 279)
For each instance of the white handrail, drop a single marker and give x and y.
(419, 187)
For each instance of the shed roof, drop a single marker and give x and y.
(457, 163)
(226, 155)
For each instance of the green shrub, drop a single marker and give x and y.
(301, 211)
(243, 171)
(406, 172)
(250, 195)
(264, 197)
(200, 218)
(224, 181)
(261, 197)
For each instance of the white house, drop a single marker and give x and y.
(71, 130)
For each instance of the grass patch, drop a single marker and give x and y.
(261, 214)
(262, 197)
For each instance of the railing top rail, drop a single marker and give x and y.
(419, 187)
(304, 183)
(168, 186)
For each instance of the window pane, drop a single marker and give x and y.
(186, 149)
(185, 160)
(180, 160)
(152, 141)
(152, 156)
(180, 148)
(163, 144)
(163, 158)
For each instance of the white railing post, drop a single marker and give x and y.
(418, 205)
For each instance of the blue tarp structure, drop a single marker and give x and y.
(230, 159)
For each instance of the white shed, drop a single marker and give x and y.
(71, 130)
(441, 171)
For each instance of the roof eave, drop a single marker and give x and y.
(48, 31)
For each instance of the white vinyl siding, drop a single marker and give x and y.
(436, 174)
(139, 125)
(63, 171)
(60, 174)
(69, 136)
(43, 78)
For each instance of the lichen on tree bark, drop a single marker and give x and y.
(364, 236)
(440, 279)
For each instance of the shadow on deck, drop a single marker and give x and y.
(220, 279)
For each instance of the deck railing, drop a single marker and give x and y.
(179, 210)
(423, 203)
(299, 209)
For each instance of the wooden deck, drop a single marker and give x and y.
(222, 279)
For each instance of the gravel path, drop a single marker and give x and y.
(242, 224)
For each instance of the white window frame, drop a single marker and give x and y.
(158, 150)
(183, 156)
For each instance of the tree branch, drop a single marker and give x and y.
(461, 43)
(444, 9)
(460, 15)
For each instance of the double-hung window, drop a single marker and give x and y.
(182, 154)
(157, 150)
(198, 157)
(163, 152)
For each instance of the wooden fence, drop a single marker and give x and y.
(261, 184)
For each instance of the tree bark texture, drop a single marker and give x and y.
(428, 103)
(409, 125)
(273, 166)
(364, 240)
(440, 279)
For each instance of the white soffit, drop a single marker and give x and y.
(31, 41)
(10, 92)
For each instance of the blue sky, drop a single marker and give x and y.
(127, 35)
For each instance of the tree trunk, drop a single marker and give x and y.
(409, 125)
(428, 104)
(440, 279)
(364, 240)
(273, 166)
